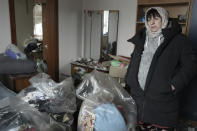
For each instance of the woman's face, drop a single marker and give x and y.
(154, 23)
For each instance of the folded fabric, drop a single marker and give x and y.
(11, 54)
(16, 66)
(108, 118)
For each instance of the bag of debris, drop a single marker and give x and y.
(106, 104)
(56, 99)
(17, 115)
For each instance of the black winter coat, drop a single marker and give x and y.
(174, 63)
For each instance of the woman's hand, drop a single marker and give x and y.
(173, 88)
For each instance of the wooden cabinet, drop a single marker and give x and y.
(180, 9)
(21, 82)
(17, 82)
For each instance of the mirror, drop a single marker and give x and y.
(100, 33)
(28, 24)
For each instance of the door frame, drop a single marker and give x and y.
(50, 34)
(12, 22)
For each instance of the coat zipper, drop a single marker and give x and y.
(143, 107)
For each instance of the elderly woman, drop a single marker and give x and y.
(162, 64)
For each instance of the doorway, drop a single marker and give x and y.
(50, 48)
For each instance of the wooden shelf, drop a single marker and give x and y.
(181, 23)
(162, 2)
(174, 7)
(138, 22)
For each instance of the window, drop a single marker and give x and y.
(37, 18)
(105, 22)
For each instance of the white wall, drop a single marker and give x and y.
(127, 20)
(5, 35)
(70, 21)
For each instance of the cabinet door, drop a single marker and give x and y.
(20, 83)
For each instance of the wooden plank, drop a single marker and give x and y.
(21, 83)
(159, 2)
(39, 1)
(189, 17)
(120, 58)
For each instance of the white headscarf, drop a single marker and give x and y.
(164, 15)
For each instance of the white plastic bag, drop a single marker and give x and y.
(17, 115)
(105, 98)
(56, 99)
(13, 52)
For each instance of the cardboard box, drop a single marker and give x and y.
(119, 72)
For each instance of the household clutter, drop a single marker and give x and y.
(56, 99)
(116, 67)
(24, 63)
(16, 115)
(47, 105)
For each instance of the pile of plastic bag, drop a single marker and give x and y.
(43, 106)
(16, 115)
(58, 100)
(106, 106)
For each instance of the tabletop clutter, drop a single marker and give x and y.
(116, 67)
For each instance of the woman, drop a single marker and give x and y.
(162, 64)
